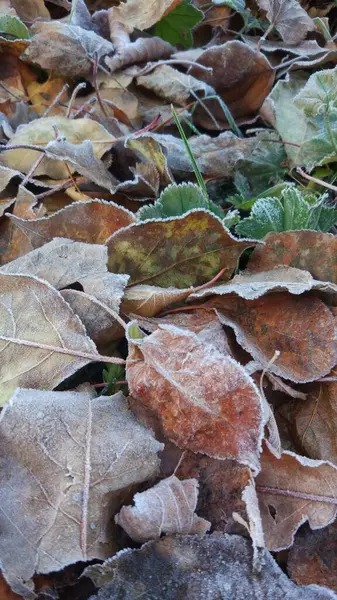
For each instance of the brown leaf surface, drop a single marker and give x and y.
(315, 422)
(311, 251)
(293, 489)
(140, 14)
(91, 222)
(241, 76)
(179, 251)
(33, 311)
(203, 400)
(149, 300)
(172, 85)
(168, 507)
(201, 568)
(313, 557)
(61, 487)
(289, 18)
(142, 50)
(301, 328)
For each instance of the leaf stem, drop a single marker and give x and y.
(316, 180)
(294, 494)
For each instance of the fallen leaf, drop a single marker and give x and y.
(142, 50)
(149, 300)
(293, 489)
(177, 24)
(34, 315)
(139, 14)
(203, 400)
(179, 252)
(168, 507)
(150, 151)
(91, 222)
(289, 18)
(30, 9)
(301, 328)
(247, 82)
(172, 85)
(6, 592)
(11, 77)
(311, 251)
(312, 559)
(42, 95)
(315, 422)
(203, 567)
(40, 132)
(60, 489)
(254, 285)
(221, 484)
(6, 175)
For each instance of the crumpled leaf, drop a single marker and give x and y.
(254, 285)
(168, 507)
(315, 422)
(249, 79)
(149, 300)
(289, 18)
(177, 200)
(311, 251)
(149, 150)
(91, 222)
(65, 49)
(203, 567)
(179, 251)
(57, 499)
(293, 489)
(140, 14)
(40, 132)
(312, 559)
(203, 400)
(301, 328)
(292, 211)
(33, 311)
(173, 85)
(177, 24)
(142, 50)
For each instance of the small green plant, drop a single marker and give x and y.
(112, 375)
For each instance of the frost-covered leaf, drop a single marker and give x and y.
(65, 49)
(238, 5)
(140, 14)
(311, 251)
(293, 489)
(149, 300)
(176, 26)
(205, 567)
(289, 18)
(66, 463)
(319, 95)
(177, 200)
(203, 400)
(33, 312)
(173, 85)
(150, 151)
(12, 26)
(178, 251)
(253, 285)
(143, 50)
(92, 222)
(168, 507)
(292, 211)
(301, 328)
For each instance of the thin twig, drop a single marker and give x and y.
(83, 107)
(294, 494)
(96, 86)
(58, 188)
(316, 180)
(4, 87)
(172, 61)
(55, 101)
(34, 167)
(209, 283)
(79, 87)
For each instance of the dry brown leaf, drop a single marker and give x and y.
(41, 131)
(64, 49)
(91, 222)
(42, 95)
(254, 285)
(6, 175)
(203, 400)
(60, 489)
(10, 76)
(289, 18)
(301, 328)
(140, 51)
(313, 557)
(149, 149)
(241, 76)
(315, 422)
(140, 14)
(34, 315)
(149, 300)
(168, 507)
(293, 489)
(197, 568)
(5, 591)
(172, 85)
(311, 251)
(29, 10)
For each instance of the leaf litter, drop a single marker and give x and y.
(168, 299)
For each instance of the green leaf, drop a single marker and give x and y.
(319, 95)
(13, 27)
(177, 200)
(232, 218)
(176, 26)
(238, 5)
(293, 211)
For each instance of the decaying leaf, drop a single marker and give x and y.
(61, 487)
(301, 328)
(173, 86)
(140, 14)
(311, 251)
(149, 300)
(91, 222)
(289, 18)
(293, 489)
(180, 252)
(203, 400)
(254, 285)
(41, 131)
(203, 567)
(168, 507)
